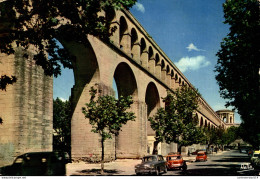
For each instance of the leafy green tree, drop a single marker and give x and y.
(230, 135)
(107, 115)
(214, 136)
(238, 65)
(176, 123)
(42, 23)
(62, 125)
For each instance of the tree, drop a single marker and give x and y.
(238, 65)
(176, 123)
(230, 135)
(107, 115)
(41, 23)
(62, 125)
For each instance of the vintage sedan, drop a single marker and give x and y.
(37, 164)
(201, 156)
(151, 164)
(175, 161)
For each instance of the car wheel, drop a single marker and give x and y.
(157, 173)
(165, 170)
(184, 167)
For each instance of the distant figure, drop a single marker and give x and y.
(188, 153)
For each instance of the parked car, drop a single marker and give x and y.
(255, 161)
(37, 164)
(175, 161)
(198, 150)
(201, 156)
(151, 164)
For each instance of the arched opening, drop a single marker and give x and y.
(172, 74)
(144, 54)
(125, 82)
(134, 46)
(168, 69)
(176, 77)
(143, 46)
(162, 65)
(201, 121)
(123, 30)
(86, 75)
(150, 53)
(110, 15)
(152, 101)
(134, 37)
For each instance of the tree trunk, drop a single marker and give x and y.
(155, 146)
(179, 148)
(102, 156)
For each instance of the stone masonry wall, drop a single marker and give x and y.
(26, 108)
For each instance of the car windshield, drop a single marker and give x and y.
(257, 155)
(174, 157)
(148, 159)
(200, 154)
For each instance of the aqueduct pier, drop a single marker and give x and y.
(138, 65)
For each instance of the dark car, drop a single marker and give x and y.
(37, 164)
(151, 164)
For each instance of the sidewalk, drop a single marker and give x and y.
(118, 167)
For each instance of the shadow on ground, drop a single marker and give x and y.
(97, 172)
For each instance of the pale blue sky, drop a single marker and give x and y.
(189, 32)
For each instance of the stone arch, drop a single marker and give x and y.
(152, 101)
(157, 66)
(125, 81)
(176, 77)
(150, 52)
(180, 81)
(110, 15)
(162, 65)
(126, 85)
(167, 69)
(201, 121)
(144, 53)
(135, 50)
(123, 30)
(86, 74)
(151, 60)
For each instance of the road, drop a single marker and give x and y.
(227, 163)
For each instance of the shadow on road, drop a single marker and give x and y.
(97, 172)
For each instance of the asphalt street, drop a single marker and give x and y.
(228, 163)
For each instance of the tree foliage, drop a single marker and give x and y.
(107, 115)
(238, 64)
(176, 122)
(41, 23)
(62, 125)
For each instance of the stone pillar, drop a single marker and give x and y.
(26, 108)
(163, 75)
(125, 43)
(115, 37)
(136, 53)
(158, 71)
(132, 140)
(144, 59)
(152, 66)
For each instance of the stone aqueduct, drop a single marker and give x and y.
(138, 65)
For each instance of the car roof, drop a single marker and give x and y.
(173, 155)
(257, 152)
(37, 154)
(201, 152)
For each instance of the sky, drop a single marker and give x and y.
(189, 32)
